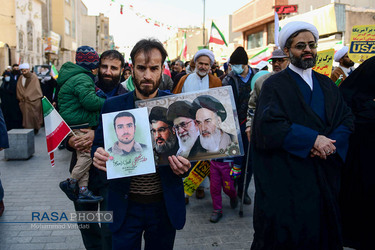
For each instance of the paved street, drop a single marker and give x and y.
(32, 185)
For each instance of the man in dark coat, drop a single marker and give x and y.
(357, 194)
(299, 144)
(4, 143)
(9, 102)
(151, 205)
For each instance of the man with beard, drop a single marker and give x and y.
(151, 204)
(16, 71)
(182, 115)
(299, 144)
(125, 127)
(201, 78)
(346, 65)
(30, 96)
(164, 136)
(209, 116)
(94, 236)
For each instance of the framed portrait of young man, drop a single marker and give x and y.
(127, 139)
(197, 125)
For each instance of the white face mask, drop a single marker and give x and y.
(7, 78)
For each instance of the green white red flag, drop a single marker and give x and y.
(263, 55)
(183, 52)
(216, 35)
(55, 127)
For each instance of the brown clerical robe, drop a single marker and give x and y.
(30, 101)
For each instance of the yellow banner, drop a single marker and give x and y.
(324, 62)
(196, 176)
(362, 43)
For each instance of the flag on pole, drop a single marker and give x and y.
(183, 52)
(216, 35)
(55, 127)
(277, 29)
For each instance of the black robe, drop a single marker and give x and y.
(296, 197)
(357, 196)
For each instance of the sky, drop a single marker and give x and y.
(128, 28)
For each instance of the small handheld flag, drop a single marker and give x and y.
(56, 128)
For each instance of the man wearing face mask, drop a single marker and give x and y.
(240, 80)
(201, 78)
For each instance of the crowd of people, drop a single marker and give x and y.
(308, 142)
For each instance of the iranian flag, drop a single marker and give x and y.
(216, 35)
(263, 55)
(55, 127)
(183, 51)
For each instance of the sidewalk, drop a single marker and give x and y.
(32, 186)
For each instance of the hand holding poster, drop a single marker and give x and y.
(128, 141)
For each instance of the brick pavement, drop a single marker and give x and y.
(32, 185)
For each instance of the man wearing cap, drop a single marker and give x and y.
(201, 78)
(240, 79)
(163, 134)
(182, 116)
(299, 143)
(345, 65)
(279, 62)
(29, 95)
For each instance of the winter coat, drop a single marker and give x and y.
(77, 100)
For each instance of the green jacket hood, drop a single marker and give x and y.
(68, 70)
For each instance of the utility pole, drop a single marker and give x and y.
(204, 17)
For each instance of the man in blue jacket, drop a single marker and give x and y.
(152, 204)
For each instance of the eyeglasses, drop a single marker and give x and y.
(183, 125)
(159, 130)
(278, 60)
(302, 46)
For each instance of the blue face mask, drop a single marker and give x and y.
(237, 69)
(7, 78)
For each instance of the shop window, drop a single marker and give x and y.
(255, 40)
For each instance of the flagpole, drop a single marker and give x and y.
(204, 17)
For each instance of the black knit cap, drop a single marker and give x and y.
(159, 114)
(211, 103)
(239, 56)
(181, 109)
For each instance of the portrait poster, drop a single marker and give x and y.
(42, 71)
(128, 142)
(199, 125)
(362, 43)
(324, 62)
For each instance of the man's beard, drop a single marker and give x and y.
(211, 143)
(187, 142)
(16, 72)
(348, 64)
(167, 145)
(108, 85)
(302, 63)
(126, 141)
(148, 90)
(201, 73)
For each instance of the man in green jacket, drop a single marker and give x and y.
(79, 106)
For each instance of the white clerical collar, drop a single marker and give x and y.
(346, 70)
(306, 74)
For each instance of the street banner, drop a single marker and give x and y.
(55, 127)
(200, 170)
(362, 43)
(324, 62)
(216, 35)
